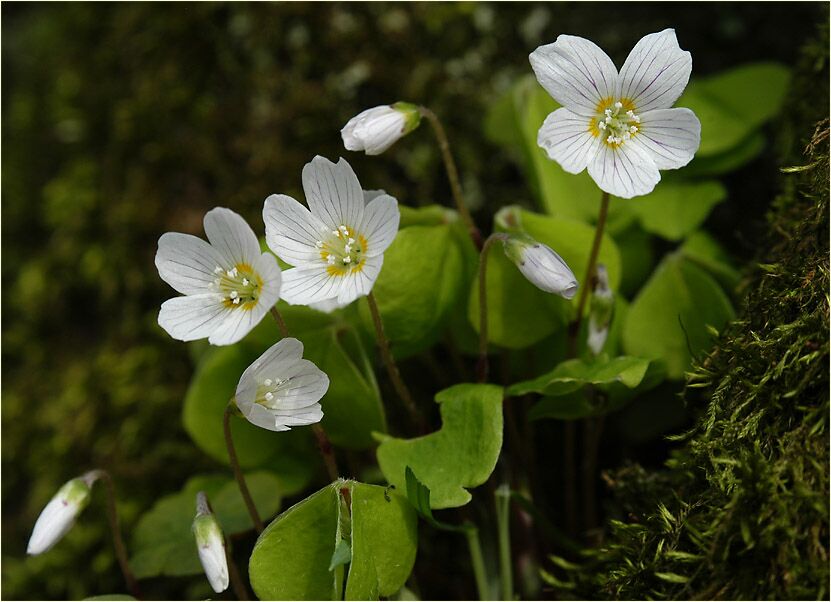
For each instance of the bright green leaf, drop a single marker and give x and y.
(162, 540)
(703, 249)
(292, 557)
(573, 375)
(668, 318)
(675, 208)
(427, 269)
(384, 542)
(726, 161)
(471, 435)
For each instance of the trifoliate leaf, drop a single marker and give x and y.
(675, 208)
(471, 434)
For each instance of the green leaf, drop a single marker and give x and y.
(471, 435)
(668, 318)
(292, 557)
(352, 407)
(162, 540)
(520, 314)
(579, 388)
(704, 250)
(573, 375)
(732, 104)
(418, 495)
(384, 542)
(427, 269)
(111, 597)
(726, 161)
(676, 208)
(637, 256)
(290, 560)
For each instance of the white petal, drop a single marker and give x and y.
(269, 270)
(326, 306)
(187, 263)
(214, 563)
(193, 317)
(359, 284)
(231, 235)
(670, 136)
(624, 171)
(237, 323)
(374, 130)
(263, 418)
(291, 231)
(333, 192)
(306, 386)
(576, 72)
(655, 72)
(566, 138)
(277, 360)
(54, 522)
(380, 224)
(371, 194)
(310, 416)
(309, 284)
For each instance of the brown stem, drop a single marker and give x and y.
(232, 457)
(280, 322)
(112, 516)
(482, 364)
(389, 362)
(452, 175)
(325, 447)
(574, 327)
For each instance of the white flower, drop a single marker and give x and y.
(619, 125)
(210, 544)
(281, 389)
(59, 515)
(338, 246)
(541, 265)
(600, 314)
(229, 285)
(378, 128)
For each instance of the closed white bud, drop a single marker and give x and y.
(541, 265)
(60, 513)
(210, 544)
(601, 309)
(378, 128)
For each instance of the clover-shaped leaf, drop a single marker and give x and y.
(471, 435)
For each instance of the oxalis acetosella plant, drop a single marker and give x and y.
(326, 260)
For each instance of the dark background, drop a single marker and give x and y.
(124, 121)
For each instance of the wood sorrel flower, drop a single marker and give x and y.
(59, 515)
(378, 128)
(229, 285)
(338, 246)
(210, 544)
(281, 389)
(618, 125)
(541, 265)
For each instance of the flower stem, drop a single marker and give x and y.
(503, 520)
(232, 456)
(452, 175)
(112, 516)
(574, 328)
(280, 322)
(325, 447)
(482, 364)
(477, 561)
(389, 362)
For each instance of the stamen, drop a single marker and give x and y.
(269, 396)
(267, 382)
(218, 270)
(618, 105)
(319, 244)
(245, 282)
(347, 259)
(602, 125)
(330, 259)
(236, 301)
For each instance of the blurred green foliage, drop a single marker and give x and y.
(121, 122)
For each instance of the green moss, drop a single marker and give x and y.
(742, 510)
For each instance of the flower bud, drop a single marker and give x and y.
(378, 128)
(210, 543)
(60, 513)
(541, 265)
(601, 309)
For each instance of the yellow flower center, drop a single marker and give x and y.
(343, 250)
(616, 121)
(241, 285)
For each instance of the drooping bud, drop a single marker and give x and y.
(59, 515)
(600, 310)
(541, 265)
(378, 128)
(210, 544)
